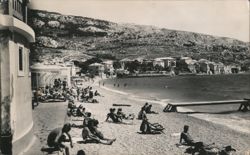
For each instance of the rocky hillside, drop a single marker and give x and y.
(79, 38)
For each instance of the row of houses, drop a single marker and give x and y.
(179, 64)
(187, 64)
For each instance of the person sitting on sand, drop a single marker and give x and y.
(148, 128)
(91, 93)
(113, 116)
(80, 112)
(149, 111)
(188, 140)
(92, 134)
(145, 105)
(121, 115)
(142, 114)
(87, 119)
(58, 136)
(97, 93)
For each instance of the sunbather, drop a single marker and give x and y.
(97, 93)
(200, 149)
(188, 140)
(142, 114)
(58, 136)
(149, 111)
(148, 128)
(121, 115)
(113, 116)
(80, 112)
(145, 105)
(92, 134)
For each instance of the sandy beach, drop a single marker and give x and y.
(130, 142)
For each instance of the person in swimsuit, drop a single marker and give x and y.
(58, 136)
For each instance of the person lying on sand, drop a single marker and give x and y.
(149, 111)
(148, 128)
(113, 116)
(58, 136)
(90, 133)
(201, 149)
(121, 115)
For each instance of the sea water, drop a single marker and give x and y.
(191, 89)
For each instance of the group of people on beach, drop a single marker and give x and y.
(92, 134)
(119, 116)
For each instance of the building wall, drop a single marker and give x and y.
(22, 91)
(17, 88)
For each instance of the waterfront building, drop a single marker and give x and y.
(96, 69)
(204, 66)
(108, 66)
(168, 62)
(43, 75)
(124, 62)
(159, 62)
(16, 124)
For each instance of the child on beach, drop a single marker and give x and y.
(58, 136)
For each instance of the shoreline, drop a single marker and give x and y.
(130, 142)
(237, 126)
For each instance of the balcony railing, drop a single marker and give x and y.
(16, 8)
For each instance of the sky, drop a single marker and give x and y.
(226, 18)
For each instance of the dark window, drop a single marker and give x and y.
(15, 6)
(20, 58)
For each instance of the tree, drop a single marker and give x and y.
(133, 66)
(158, 68)
(117, 65)
(85, 65)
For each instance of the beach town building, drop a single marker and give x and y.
(204, 66)
(159, 62)
(96, 69)
(168, 61)
(220, 67)
(72, 67)
(215, 68)
(16, 124)
(124, 62)
(108, 66)
(227, 69)
(192, 66)
(182, 63)
(139, 59)
(43, 75)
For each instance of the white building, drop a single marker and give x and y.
(159, 62)
(43, 75)
(16, 122)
